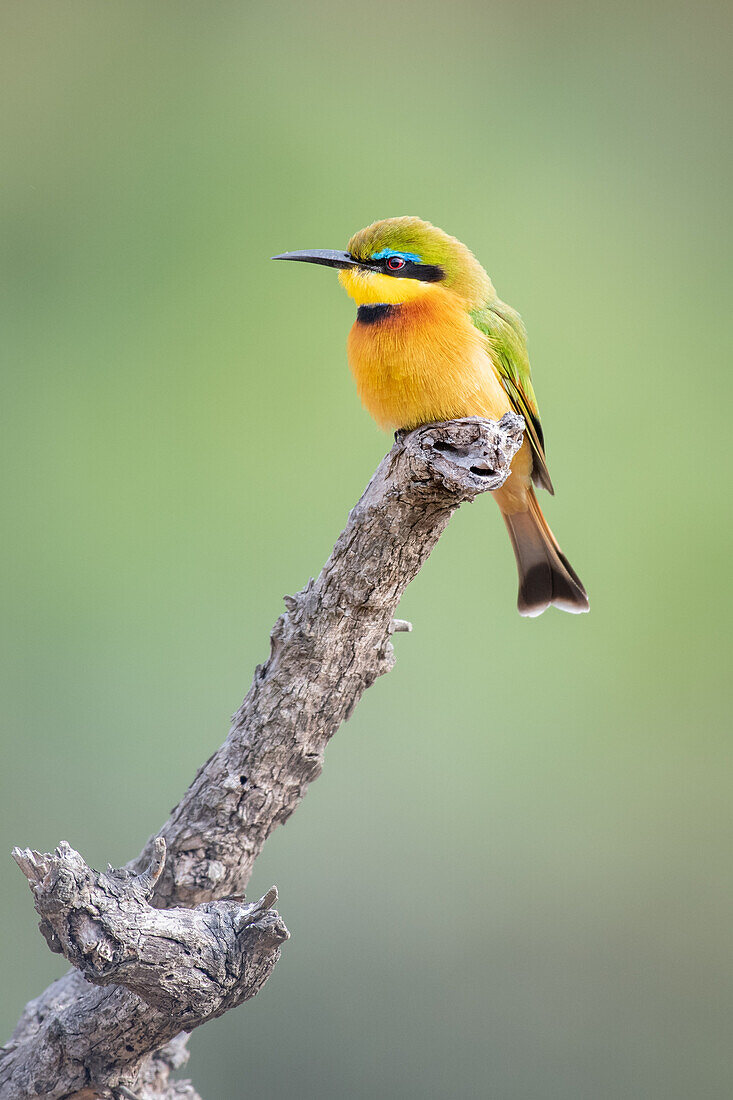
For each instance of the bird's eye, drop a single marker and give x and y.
(395, 263)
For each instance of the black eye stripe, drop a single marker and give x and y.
(425, 273)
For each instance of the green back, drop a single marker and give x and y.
(504, 330)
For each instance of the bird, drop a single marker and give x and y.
(432, 341)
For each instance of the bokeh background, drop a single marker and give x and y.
(513, 879)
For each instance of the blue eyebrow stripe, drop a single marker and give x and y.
(387, 252)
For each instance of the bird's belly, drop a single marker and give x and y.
(419, 364)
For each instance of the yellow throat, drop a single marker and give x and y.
(369, 288)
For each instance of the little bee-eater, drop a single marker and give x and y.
(432, 341)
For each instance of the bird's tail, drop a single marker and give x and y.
(545, 574)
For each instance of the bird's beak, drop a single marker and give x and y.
(326, 256)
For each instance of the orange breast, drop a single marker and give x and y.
(424, 360)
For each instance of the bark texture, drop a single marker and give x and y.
(168, 970)
(165, 941)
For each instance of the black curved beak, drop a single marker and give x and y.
(326, 256)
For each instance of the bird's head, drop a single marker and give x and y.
(400, 259)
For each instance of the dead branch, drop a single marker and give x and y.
(162, 945)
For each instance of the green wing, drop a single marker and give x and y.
(503, 328)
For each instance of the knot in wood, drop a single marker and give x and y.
(468, 456)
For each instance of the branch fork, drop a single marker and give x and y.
(185, 962)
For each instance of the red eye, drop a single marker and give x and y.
(395, 263)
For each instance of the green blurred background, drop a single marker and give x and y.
(513, 879)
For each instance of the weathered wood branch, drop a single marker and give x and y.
(330, 645)
(169, 970)
(185, 962)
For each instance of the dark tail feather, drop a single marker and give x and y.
(545, 575)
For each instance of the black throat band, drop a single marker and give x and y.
(369, 315)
